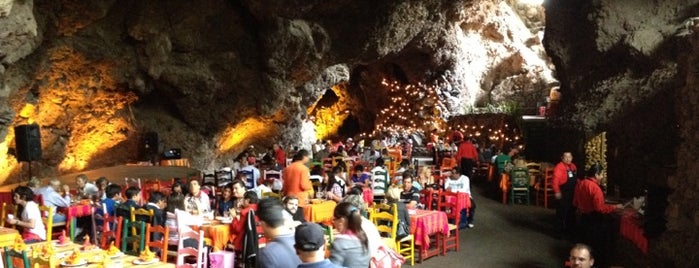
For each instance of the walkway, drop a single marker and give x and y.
(514, 236)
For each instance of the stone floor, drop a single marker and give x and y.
(515, 236)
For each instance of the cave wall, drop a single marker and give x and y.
(626, 67)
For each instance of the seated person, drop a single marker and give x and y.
(174, 202)
(102, 183)
(226, 202)
(196, 202)
(310, 246)
(249, 202)
(292, 209)
(157, 203)
(461, 184)
(393, 197)
(133, 197)
(86, 190)
(113, 192)
(361, 178)
(333, 186)
(29, 222)
(410, 194)
(53, 199)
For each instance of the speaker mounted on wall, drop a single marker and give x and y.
(28, 143)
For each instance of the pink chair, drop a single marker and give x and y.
(199, 252)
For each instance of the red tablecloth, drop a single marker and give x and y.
(463, 201)
(368, 195)
(630, 229)
(425, 223)
(75, 211)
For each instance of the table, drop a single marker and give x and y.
(125, 262)
(630, 228)
(80, 209)
(424, 223)
(463, 201)
(218, 232)
(7, 236)
(319, 212)
(368, 195)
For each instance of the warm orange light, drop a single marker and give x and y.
(28, 112)
(329, 119)
(234, 137)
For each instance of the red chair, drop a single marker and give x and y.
(429, 197)
(450, 240)
(39, 199)
(544, 188)
(108, 232)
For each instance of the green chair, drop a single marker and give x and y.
(328, 230)
(10, 253)
(519, 180)
(138, 240)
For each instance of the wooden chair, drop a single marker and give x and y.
(519, 184)
(138, 240)
(544, 188)
(111, 229)
(274, 175)
(6, 209)
(199, 252)
(141, 214)
(11, 254)
(450, 240)
(96, 231)
(385, 217)
(430, 198)
(48, 221)
(159, 244)
(379, 184)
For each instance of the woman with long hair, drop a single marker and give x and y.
(350, 247)
(334, 186)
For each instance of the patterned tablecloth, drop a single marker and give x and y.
(63, 251)
(425, 223)
(320, 212)
(463, 201)
(81, 209)
(630, 229)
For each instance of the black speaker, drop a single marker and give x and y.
(28, 142)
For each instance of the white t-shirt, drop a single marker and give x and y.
(462, 185)
(90, 189)
(31, 211)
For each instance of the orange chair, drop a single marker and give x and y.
(544, 188)
(504, 186)
(160, 244)
(450, 240)
(111, 232)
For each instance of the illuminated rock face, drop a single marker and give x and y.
(630, 68)
(213, 76)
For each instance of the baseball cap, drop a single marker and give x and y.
(309, 237)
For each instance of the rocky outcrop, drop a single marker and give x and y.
(628, 68)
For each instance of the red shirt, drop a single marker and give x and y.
(280, 156)
(560, 175)
(466, 150)
(238, 226)
(589, 198)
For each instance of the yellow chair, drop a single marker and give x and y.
(140, 215)
(5, 208)
(48, 221)
(387, 224)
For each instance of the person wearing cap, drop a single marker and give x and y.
(310, 246)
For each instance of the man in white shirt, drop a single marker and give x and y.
(53, 199)
(462, 184)
(85, 188)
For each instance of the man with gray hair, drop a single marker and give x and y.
(52, 198)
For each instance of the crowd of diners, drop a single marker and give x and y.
(291, 241)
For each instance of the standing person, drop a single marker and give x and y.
(297, 179)
(466, 156)
(54, 199)
(310, 246)
(31, 226)
(279, 156)
(565, 176)
(350, 246)
(85, 188)
(279, 252)
(581, 256)
(598, 223)
(462, 184)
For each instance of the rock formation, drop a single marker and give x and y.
(214, 76)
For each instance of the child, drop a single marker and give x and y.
(133, 196)
(250, 201)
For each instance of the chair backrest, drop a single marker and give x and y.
(222, 177)
(39, 199)
(7, 208)
(428, 198)
(48, 220)
(336, 160)
(519, 177)
(158, 241)
(379, 182)
(249, 178)
(385, 217)
(10, 254)
(138, 239)
(447, 204)
(111, 228)
(274, 175)
(142, 214)
(183, 251)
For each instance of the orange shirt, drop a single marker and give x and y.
(297, 180)
(589, 198)
(560, 175)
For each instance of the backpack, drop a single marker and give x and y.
(250, 242)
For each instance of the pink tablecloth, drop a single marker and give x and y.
(463, 201)
(425, 223)
(630, 229)
(368, 195)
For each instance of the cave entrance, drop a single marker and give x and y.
(332, 116)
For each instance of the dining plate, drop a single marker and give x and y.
(142, 262)
(56, 244)
(118, 255)
(81, 264)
